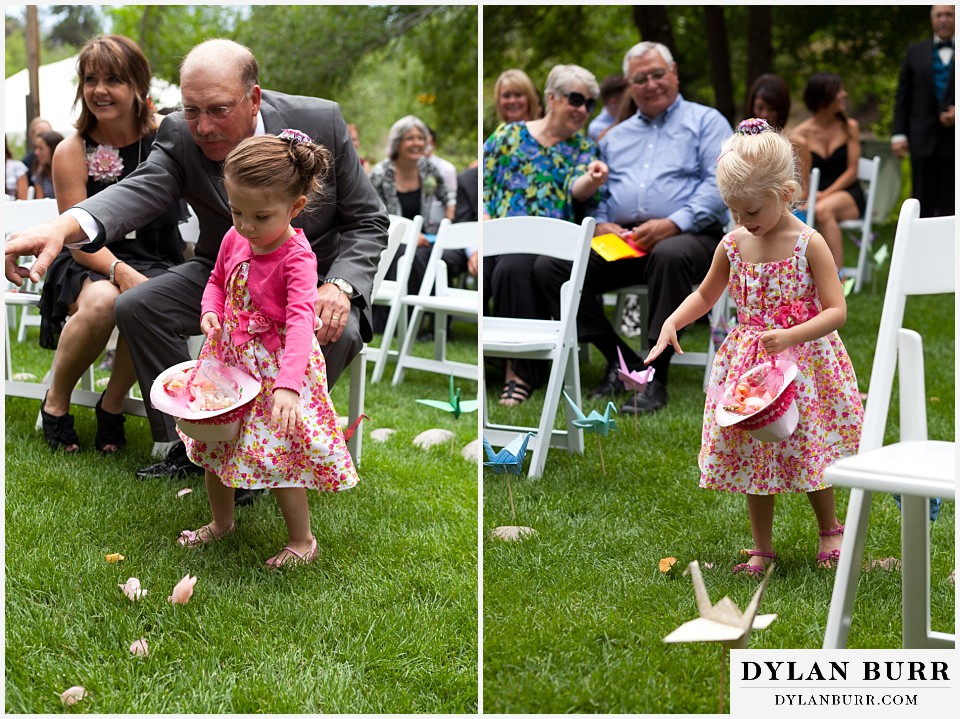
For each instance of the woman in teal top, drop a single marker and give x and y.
(537, 168)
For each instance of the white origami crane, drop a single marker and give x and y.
(721, 622)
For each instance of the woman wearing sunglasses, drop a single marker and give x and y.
(538, 168)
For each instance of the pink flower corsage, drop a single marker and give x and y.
(797, 312)
(258, 323)
(753, 126)
(104, 164)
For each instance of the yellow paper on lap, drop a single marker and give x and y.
(610, 247)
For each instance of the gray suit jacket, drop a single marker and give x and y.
(347, 229)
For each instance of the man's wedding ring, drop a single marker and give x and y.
(335, 318)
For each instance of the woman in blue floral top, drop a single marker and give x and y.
(538, 168)
(410, 185)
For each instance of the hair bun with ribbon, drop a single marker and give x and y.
(753, 126)
(295, 136)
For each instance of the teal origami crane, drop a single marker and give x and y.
(595, 423)
(508, 460)
(455, 405)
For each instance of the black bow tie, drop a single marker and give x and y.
(943, 43)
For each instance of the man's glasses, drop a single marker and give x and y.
(220, 112)
(576, 99)
(654, 75)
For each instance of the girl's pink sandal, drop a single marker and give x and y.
(297, 558)
(197, 538)
(750, 569)
(827, 560)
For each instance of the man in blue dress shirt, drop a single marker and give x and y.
(663, 199)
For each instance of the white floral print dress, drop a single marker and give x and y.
(768, 295)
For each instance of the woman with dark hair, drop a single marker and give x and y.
(41, 174)
(830, 141)
(769, 99)
(115, 133)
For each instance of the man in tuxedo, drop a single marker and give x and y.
(924, 115)
(223, 105)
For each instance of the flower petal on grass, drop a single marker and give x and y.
(114, 558)
(72, 695)
(183, 591)
(131, 588)
(666, 563)
(184, 492)
(139, 648)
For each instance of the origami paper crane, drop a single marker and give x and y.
(633, 379)
(595, 423)
(349, 431)
(722, 622)
(455, 405)
(508, 460)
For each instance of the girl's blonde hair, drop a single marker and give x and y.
(757, 161)
(289, 165)
(520, 81)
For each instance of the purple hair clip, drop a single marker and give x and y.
(295, 136)
(753, 126)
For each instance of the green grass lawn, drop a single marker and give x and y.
(574, 618)
(384, 622)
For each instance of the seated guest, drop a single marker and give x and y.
(447, 169)
(41, 174)
(830, 141)
(663, 200)
(538, 168)
(516, 97)
(117, 127)
(769, 99)
(37, 125)
(611, 94)
(17, 174)
(409, 184)
(467, 193)
(355, 139)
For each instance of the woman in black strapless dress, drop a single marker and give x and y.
(830, 141)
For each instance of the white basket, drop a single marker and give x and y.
(208, 432)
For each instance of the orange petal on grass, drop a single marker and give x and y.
(72, 695)
(114, 558)
(666, 563)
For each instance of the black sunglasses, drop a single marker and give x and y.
(577, 99)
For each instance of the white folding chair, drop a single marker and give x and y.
(436, 295)
(915, 467)
(553, 340)
(18, 216)
(403, 233)
(812, 188)
(868, 172)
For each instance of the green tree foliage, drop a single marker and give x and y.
(863, 43)
(75, 24)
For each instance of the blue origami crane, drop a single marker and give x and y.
(508, 460)
(455, 405)
(595, 423)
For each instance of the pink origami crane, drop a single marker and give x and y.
(636, 380)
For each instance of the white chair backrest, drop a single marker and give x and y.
(813, 186)
(450, 236)
(402, 232)
(22, 214)
(924, 251)
(545, 236)
(868, 171)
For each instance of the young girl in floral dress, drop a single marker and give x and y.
(781, 275)
(258, 313)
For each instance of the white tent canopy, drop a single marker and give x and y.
(58, 87)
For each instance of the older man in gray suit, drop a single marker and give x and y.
(223, 104)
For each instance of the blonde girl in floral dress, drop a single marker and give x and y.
(258, 314)
(781, 275)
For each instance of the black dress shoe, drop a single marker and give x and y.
(655, 398)
(609, 385)
(176, 464)
(243, 497)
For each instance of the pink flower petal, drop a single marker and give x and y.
(184, 492)
(72, 695)
(183, 591)
(139, 648)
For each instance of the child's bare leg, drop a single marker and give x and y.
(825, 508)
(296, 513)
(220, 497)
(760, 509)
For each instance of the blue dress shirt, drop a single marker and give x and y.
(665, 167)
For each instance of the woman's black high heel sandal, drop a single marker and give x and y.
(58, 431)
(109, 430)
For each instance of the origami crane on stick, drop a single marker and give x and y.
(637, 380)
(509, 460)
(722, 622)
(455, 406)
(595, 423)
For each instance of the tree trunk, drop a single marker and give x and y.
(719, 53)
(759, 42)
(654, 25)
